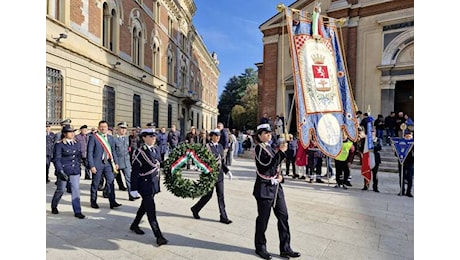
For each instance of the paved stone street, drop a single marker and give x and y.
(325, 223)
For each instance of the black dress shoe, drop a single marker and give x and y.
(290, 254)
(226, 221)
(122, 188)
(137, 230)
(364, 188)
(347, 183)
(94, 205)
(116, 205)
(54, 211)
(409, 195)
(79, 215)
(195, 214)
(264, 254)
(131, 198)
(104, 194)
(319, 181)
(376, 190)
(161, 241)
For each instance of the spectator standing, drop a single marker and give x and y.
(343, 163)
(224, 138)
(82, 139)
(400, 120)
(291, 155)
(379, 125)
(173, 137)
(390, 126)
(163, 143)
(264, 119)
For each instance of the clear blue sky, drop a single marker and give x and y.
(231, 29)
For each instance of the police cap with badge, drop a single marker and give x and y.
(148, 132)
(214, 132)
(67, 129)
(122, 125)
(263, 128)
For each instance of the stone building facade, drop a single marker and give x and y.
(137, 61)
(378, 41)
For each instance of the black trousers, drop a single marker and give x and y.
(289, 162)
(342, 172)
(408, 176)
(264, 207)
(220, 200)
(148, 206)
(375, 180)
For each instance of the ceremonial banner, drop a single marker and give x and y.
(324, 99)
(402, 147)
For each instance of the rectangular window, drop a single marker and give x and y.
(169, 115)
(53, 95)
(136, 110)
(156, 108)
(108, 105)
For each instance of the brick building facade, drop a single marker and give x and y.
(378, 41)
(137, 61)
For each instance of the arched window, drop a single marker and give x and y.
(156, 57)
(109, 27)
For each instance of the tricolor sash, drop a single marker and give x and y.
(107, 148)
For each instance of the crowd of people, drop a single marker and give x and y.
(106, 154)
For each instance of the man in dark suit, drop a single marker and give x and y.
(269, 194)
(217, 150)
(145, 180)
(102, 159)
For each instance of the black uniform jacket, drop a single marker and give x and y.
(268, 165)
(218, 152)
(145, 171)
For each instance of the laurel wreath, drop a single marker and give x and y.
(202, 158)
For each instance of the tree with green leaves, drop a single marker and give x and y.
(234, 91)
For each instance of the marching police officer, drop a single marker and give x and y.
(268, 193)
(218, 151)
(67, 160)
(145, 180)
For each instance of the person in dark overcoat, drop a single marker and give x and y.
(269, 194)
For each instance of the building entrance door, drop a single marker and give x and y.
(404, 97)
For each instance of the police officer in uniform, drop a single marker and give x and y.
(268, 193)
(145, 180)
(50, 140)
(218, 151)
(67, 160)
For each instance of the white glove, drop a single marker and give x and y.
(274, 181)
(230, 175)
(134, 193)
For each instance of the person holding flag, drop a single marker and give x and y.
(367, 154)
